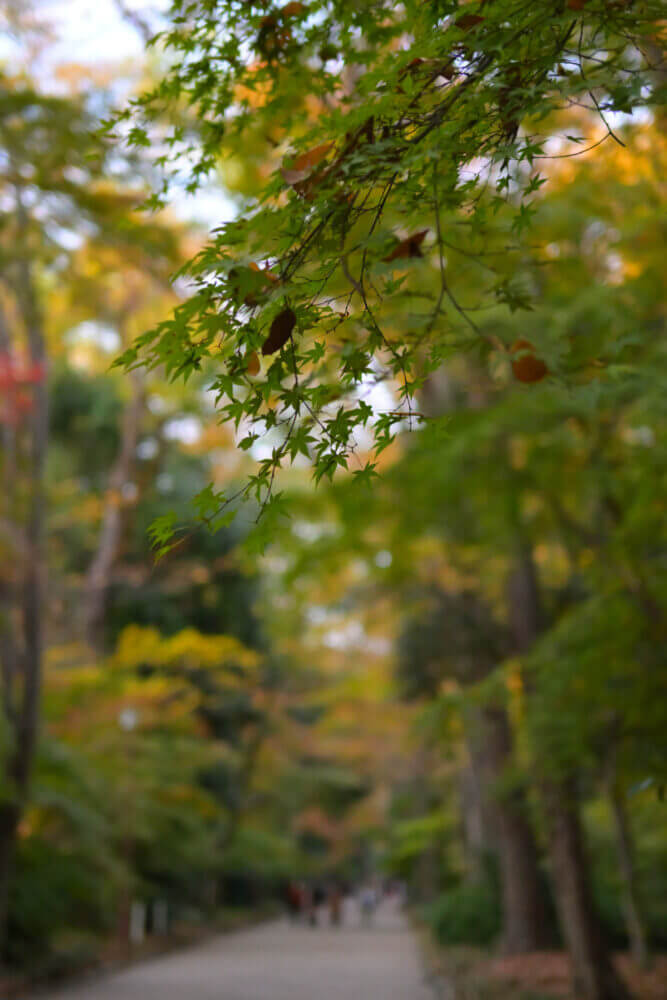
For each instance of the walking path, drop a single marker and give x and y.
(280, 962)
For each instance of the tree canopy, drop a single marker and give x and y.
(400, 154)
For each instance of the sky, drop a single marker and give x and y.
(94, 33)
(91, 32)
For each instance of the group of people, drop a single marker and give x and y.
(306, 902)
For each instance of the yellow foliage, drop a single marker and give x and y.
(88, 510)
(256, 96)
(138, 644)
(70, 654)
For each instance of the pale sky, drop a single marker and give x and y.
(91, 32)
(94, 33)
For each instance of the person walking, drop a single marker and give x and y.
(367, 904)
(294, 897)
(335, 905)
(309, 907)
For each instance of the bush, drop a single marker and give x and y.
(52, 891)
(468, 914)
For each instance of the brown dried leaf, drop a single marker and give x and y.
(409, 247)
(272, 37)
(293, 9)
(280, 332)
(266, 273)
(310, 159)
(527, 367)
(304, 165)
(434, 67)
(468, 21)
(252, 366)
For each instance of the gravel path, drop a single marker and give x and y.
(280, 962)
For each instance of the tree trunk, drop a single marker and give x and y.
(594, 976)
(8, 645)
(593, 973)
(9, 818)
(427, 868)
(34, 584)
(475, 820)
(24, 714)
(630, 896)
(13, 548)
(101, 566)
(526, 925)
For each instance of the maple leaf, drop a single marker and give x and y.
(280, 332)
(409, 247)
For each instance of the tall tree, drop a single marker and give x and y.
(53, 177)
(457, 637)
(593, 973)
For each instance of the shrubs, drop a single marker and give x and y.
(55, 896)
(467, 914)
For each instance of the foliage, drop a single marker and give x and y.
(413, 138)
(233, 721)
(65, 866)
(467, 914)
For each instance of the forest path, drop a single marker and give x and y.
(281, 962)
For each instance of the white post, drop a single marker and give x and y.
(137, 922)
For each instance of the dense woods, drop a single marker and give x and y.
(332, 537)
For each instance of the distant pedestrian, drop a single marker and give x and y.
(294, 897)
(309, 908)
(319, 895)
(335, 905)
(367, 904)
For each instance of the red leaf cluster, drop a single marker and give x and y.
(16, 376)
